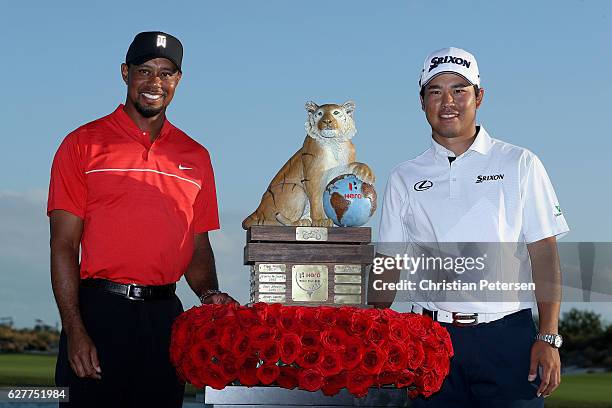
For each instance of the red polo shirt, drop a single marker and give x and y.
(141, 202)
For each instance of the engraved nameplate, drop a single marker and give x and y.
(347, 298)
(348, 289)
(271, 298)
(309, 283)
(310, 234)
(272, 288)
(347, 278)
(265, 267)
(347, 268)
(273, 277)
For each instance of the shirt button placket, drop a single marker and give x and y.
(452, 182)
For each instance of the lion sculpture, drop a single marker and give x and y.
(295, 195)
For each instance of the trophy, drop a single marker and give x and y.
(296, 255)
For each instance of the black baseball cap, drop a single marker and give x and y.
(154, 44)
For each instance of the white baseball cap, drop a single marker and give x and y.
(453, 60)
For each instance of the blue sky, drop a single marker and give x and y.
(250, 66)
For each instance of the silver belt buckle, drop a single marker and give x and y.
(128, 293)
(465, 319)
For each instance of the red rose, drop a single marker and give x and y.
(444, 337)
(242, 346)
(333, 339)
(386, 377)
(344, 317)
(268, 373)
(200, 354)
(191, 372)
(229, 367)
(311, 338)
(373, 360)
(334, 384)
(220, 311)
(288, 377)
(229, 335)
(213, 377)
(218, 351)
(209, 333)
(290, 347)
(415, 324)
(307, 317)
(330, 364)
(309, 357)
(415, 355)
(310, 379)
(371, 314)
(360, 324)
(287, 319)
(247, 375)
(397, 357)
(404, 379)
(358, 383)
(389, 315)
(398, 331)
(378, 333)
(352, 354)
(247, 317)
(327, 315)
(428, 383)
(261, 335)
(270, 353)
(273, 314)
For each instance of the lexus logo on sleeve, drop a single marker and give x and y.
(423, 185)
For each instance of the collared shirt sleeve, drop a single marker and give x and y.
(391, 229)
(205, 211)
(542, 215)
(67, 187)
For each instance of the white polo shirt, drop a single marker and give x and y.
(494, 192)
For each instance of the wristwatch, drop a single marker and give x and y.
(554, 340)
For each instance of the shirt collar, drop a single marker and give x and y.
(134, 131)
(482, 144)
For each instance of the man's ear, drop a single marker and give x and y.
(422, 103)
(479, 97)
(125, 72)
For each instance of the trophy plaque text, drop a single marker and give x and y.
(308, 265)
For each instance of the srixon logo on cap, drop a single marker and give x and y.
(449, 59)
(161, 41)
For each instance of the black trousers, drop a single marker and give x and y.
(490, 366)
(132, 339)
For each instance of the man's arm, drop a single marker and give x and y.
(547, 278)
(66, 230)
(201, 274)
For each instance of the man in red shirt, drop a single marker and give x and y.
(137, 196)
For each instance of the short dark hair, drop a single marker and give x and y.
(422, 91)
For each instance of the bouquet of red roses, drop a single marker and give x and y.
(326, 348)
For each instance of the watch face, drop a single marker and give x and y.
(558, 341)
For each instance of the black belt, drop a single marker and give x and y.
(131, 291)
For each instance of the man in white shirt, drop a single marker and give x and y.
(471, 188)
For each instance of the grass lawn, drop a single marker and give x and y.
(27, 369)
(577, 390)
(580, 390)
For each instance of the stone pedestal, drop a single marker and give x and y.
(275, 397)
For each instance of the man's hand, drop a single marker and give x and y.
(218, 299)
(83, 355)
(546, 356)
